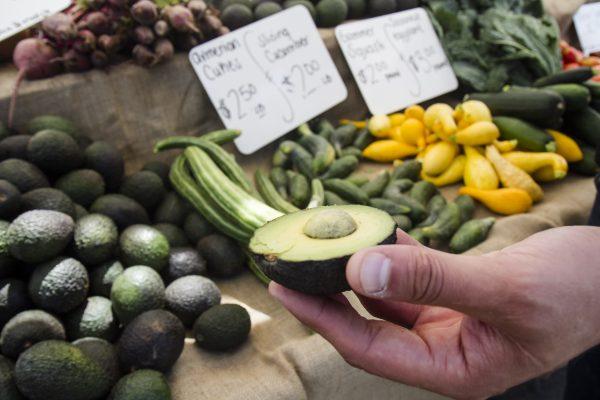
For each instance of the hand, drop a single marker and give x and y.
(467, 327)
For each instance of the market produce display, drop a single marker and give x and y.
(89, 290)
(574, 58)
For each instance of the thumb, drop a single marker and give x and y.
(471, 284)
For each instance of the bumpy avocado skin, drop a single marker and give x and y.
(48, 199)
(24, 175)
(13, 299)
(83, 186)
(123, 210)
(144, 384)
(27, 328)
(8, 388)
(222, 327)
(144, 245)
(136, 290)
(95, 239)
(94, 318)
(103, 353)
(311, 277)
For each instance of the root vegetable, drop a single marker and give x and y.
(60, 27)
(180, 18)
(164, 49)
(97, 22)
(110, 44)
(85, 42)
(75, 61)
(161, 28)
(143, 35)
(95, 4)
(145, 12)
(212, 23)
(223, 31)
(143, 55)
(99, 59)
(186, 42)
(197, 7)
(118, 3)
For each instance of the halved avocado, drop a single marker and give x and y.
(308, 250)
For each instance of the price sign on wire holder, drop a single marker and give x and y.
(18, 15)
(269, 77)
(396, 59)
(587, 25)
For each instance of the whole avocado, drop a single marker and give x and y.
(145, 187)
(222, 327)
(94, 318)
(59, 285)
(196, 227)
(10, 199)
(356, 8)
(224, 257)
(55, 152)
(172, 209)
(48, 199)
(159, 168)
(14, 147)
(153, 340)
(57, 370)
(235, 16)
(56, 122)
(331, 13)
(103, 276)
(381, 7)
(102, 353)
(80, 212)
(39, 235)
(123, 210)
(184, 261)
(13, 299)
(174, 234)
(9, 266)
(144, 384)
(8, 388)
(27, 328)
(106, 159)
(144, 245)
(24, 175)
(190, 296)
(95, 239)
(266, 9)
(136, 290)
(83, 186)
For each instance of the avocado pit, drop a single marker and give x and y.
(330, 224)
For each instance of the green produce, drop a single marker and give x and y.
(595, 104)
(95, 239)
(189, 296)
(280, 159)
(467, 207)
(585, 125)
(8, 388)
(358, 179)
(389, 206)
(363, 137)
(102, 353)
(280, 180)
(594, 88)
(299, 191)
(8, 265)
(184, 261)
(325, 128)
(55, 370)
(174, 234)
(10, 200)
(13, 299)
(153, 340)
(351, 151)
(144, 384)
(159, 168)
(342, 136)
(94, 318)
(59, 285)
(317, 198)
(224, 258)
(48, 199)
(144, 245)
(55, 122)
(381, 7)
(222, 327)
(356, 9)
(309, 6)
(145, 187)
(576, 96)
(419, 236)
(587, 166)
(83, 186)
(196, 227)
(417, 211)
(106, 159)
(434, 207)
(398, 187)
(470, 234)
(54, 152)
(172, 210)
(529, 137)
(80, 211)
(322, 152)
(347, 190)
(575, 75)
(123, 210)
(403, 222)
(446, 225)
(291, 257)
(331, 12)
(341, 168)
(181, 142)
(14, 147)
(236, 15)
(270, 195)
(39, 235)
(103, 276)
(136, 290)
(28, 328)
(377, 184)
(266, 9)
(301, 158)
(410, 169)
(332, 199)
(423, 191)
(24, 175)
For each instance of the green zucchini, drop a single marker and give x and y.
(332, 199)
(347, 190)
(467, 207)
(417, 210)
(587, 166)
(341, 168)
(351, 151)
(343, 136)
(317, 198)
(594, 88)
(470, 234)
(389, 206)
(446, 225)
(181, 142)
(434, 208)
(301, 158)
(358, 179)
(423, 191)
(576, 96)
(584, 125)
(363, 139)
(280, 180)
(575, 75)
(321, 150)
(403, 222)
(299, 190)
(419, 236)
(376, 186)
(407, 170)
(325, 128)
(222, 136)
(528, 136)
(540, 107)
(270, 195)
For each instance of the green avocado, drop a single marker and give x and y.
(27, 328)
(8, 388)
(14, 147)
(382, 7)
(152, 340)
(222, 327)
(10, 199)
(136, 290)
(103, 276)
(174, 234)
(123, 210)
(57, 370)
(196, 227)
(103, 353)
(80, 212)
(9, 266)
(184, 261)
(39, 235)
(266, 9)
(48, 199)
(235, 16)
(24, 175)
(172, 209)
(159, 168)
(83, 186)
(190, 296)
(144, 384)
(13, 299)
(145, 187)
(356, 8)
(95, 239)
(55, 152)
(144, 245)
(59, 285)
(56, 122)
(94, 318)
(224, 257)
(106, 159)
(314, 260)
(331, 13)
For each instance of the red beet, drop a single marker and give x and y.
(143, 35)
(161, 28)
(35, 59)
(59, 27)
(99, 59)
(186, 41)
(85, 42)
(143, 55)
(96, 4)
(197, 7)
(164, 49)
(118, 3)
(110, 44)
(97, 22)
(180, 18)
(75, 61)
(145, 12)
(211, 24)
(223, 30)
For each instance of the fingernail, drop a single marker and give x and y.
(375, 273)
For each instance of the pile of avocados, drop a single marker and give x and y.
(101, 273)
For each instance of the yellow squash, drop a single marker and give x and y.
(479, 171)
(477, 134)
(452, 175)
(532, 162)
(413, 132)
(470, 112)
(358, 124)
(545, 174)
(438, 157)
(506, 201)
(388, 150)
(566, 147)
(397, 119)
(379, 125)
(439, 118)
(512, 176)
(415, 111)
(504, 146)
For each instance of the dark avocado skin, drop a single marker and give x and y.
(311, 277)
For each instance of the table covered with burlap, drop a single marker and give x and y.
(132, 107)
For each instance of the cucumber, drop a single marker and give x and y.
(407, 170)
(317, 198)
(584, 125)
(467, 207)
(434, 208)
(342, 137)
(332, 199)
(301, 158)
(576, 96)
(341, 168)
(299, 190)
(397, 187)
(587, 166)
(363, 139)
(419, 236)
(446, 225)
(417, 210)
(529, 137)
(540, 107)
(389, 206)
(325, 128)
(280, 159)
(347, 190)
(351, 151)
(358, 179)
(423, 191)
(270, 195)
(376, 186)
(403, 222)
(594, 88)
(280, 180)
(181, 142)
(322, 152)
(470, 234)
(575, 75)
(222, 136)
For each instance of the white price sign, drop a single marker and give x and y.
(269, 77)
(587, 25)
(18, 15)
(396, 59)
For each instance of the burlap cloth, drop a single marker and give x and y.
(132, 107)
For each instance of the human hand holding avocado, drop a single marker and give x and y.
(464, 326)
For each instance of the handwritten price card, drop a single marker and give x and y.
(587, 25)
(396, 59)
(269, 77)
(18, 15)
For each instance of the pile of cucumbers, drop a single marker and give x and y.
(568, 101)
(319, 168)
